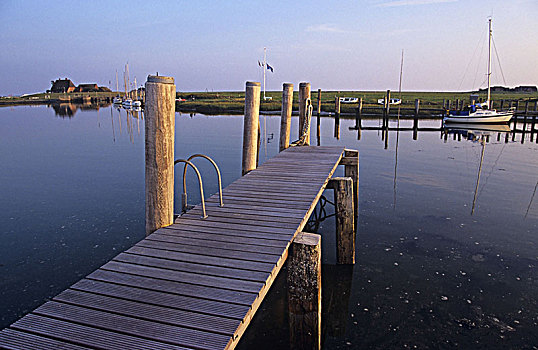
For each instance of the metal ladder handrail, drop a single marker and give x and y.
(216, 169)
(187, 162)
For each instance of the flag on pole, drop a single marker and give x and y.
(269, 67)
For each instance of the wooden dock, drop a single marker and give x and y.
(197, 283)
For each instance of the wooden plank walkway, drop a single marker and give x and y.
(197, 283)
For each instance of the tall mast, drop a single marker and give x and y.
(489, 63)
(117, 89)
(264, 68)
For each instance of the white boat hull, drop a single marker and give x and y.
(480, 117)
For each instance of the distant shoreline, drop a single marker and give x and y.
(212, 103)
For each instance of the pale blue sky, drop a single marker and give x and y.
(216, 45)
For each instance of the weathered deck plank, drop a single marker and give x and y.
(197, 283)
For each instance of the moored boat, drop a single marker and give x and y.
(482, 113)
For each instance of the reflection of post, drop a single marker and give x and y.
(250, 126)
(285, 117)
(337, 282)
(345, 219)
(386, 132)
(159, 152)
(304, 94)
(304, 291)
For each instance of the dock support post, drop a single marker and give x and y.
(304, 94)
(159, 151)
(345, 219)
(304, 291)
(250, 126)
(285, 116)
(351, 169)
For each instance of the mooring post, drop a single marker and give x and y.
(304, 291)
(387, 109)
(526, 107)
(501, 105)
(358, 122)
(536, 105)
(345, 219)
(285, 116)
(304, 94)
(417, 109)
(250, 126)
(159, 151)
(351, 169)
(319, 118)
(337, 117)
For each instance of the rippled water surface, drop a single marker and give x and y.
(432, 271)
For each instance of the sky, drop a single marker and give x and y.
(216, 45)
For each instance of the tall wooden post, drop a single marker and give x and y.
(250, 126)
(304, 292)
(387, 109)
(319, 118)
(501, 106)
(304, 94)
(351, 169)
(285, 117)
(526, 107)
(358, 118)
(345, 219)
(337, 117)
(517, 105)
(159, 127)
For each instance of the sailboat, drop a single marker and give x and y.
(127, 102)
(482, 113)
(136, 102)
(117, 100)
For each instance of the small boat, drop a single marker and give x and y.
(481, 113)
(127, 102)
(117, 100)
(392, 101)
(349, 99)
(136, 103)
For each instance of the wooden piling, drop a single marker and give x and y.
(345, 219)
(304, 94)
(387, 109)
(337, 117)
(250, 126)
(285, 117)
(318, 124)
(517, 105)
(526, 107)
(304, 291)
(159, 151)
(358, 117)
(502, 103)
(417, 108)
(351, 169)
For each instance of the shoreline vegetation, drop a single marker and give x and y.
(230, 102)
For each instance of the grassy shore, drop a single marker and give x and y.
(233, 102)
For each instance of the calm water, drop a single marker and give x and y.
(428, 273)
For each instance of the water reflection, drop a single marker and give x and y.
(69, 109)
